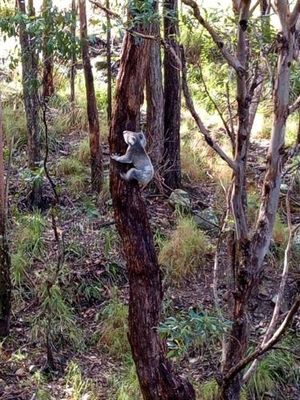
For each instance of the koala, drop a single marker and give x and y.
(135, 154)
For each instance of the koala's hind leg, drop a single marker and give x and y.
(133, 173)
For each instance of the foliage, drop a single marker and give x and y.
(70, 166)
(192, 330)
(29, 243)
(56, 318)
(125, 385)
(182, 254)
(274, 372)
(114, 327)
(57, 23)
(77, 386)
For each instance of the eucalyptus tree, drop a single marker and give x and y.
(155, 94)
(92, 112)
(249, 247)
(156, 376)
(172, 96)
(30, 81)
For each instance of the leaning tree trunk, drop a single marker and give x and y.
(155, 98)
(48, 85)
(92, 112)
(157, 381)
(5, 283)
(31, 100)
(171, 159)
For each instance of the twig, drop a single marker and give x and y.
(190, 105)
(106, 10)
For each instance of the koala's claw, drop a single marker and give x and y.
(114, 156)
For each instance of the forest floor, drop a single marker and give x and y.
(58, 307)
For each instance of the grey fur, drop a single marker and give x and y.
(135, 154)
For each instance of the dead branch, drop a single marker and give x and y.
(231, 59)
(190, 105)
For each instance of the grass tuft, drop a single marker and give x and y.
(114, 327)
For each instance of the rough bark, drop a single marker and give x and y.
(171, 158)
(92, 112)
(48, 84)
(108, 58)
(73, 61)
(155, 98)
(5, 283)
(31, 99)
(157, 381)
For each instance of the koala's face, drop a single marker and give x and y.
(131, 138)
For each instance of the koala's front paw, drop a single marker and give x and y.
(124, 176)
(115, 156)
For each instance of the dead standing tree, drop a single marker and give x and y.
(249, 250)
(156, 378)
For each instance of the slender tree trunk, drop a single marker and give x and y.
(156, 378)
(73, 61)
(48, 85)
(155, 98)
(108, 58)
(92, 112)
(31, 99)
(172, 91)
(249, 255)
(5, 283)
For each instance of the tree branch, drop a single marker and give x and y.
(293, 107)
(190, 105)
(262, 349)
(105, 9)
(294, 15)
(231, 59)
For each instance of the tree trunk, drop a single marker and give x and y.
(155, 98)
(5, 283)
(249, 255)
(92, 112)
(171, 159)
(48, 85)
(31, 100)
(157, 381)
(108, 58)
(73, 61)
